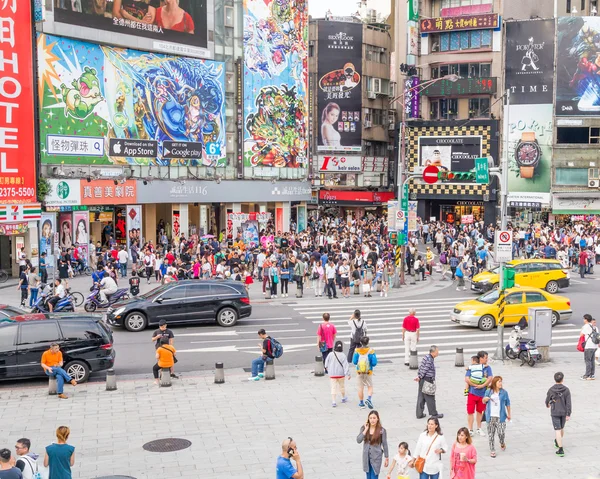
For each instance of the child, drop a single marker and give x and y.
(365, 360)
(402, 460)
(338, 369)
(477, 375)
(558, 399)
(134, 284)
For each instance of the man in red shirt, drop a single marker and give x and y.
(583, 257)
(410, 334)
(170, 259)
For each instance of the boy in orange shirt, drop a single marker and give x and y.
(52, 363)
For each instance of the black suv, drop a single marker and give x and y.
(223, 301)
(85, 342)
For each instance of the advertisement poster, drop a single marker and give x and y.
(65, 231)
(449, 153)
(279, 220)
(275, 83)
(176, 228)
(530, 150)
(577, 60)
(530, 61)
(339, 97)
(47, 237)
(121, 225)
(174, 21)
(134, 224)
(301, 220)
(81, 227)
(17, 149)
(92, 94)
(250, 234)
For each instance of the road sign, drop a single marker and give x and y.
(400, 215)
(482, 173)
(430, 174)
(404, 203)
(411, 224)
(503, 245)
(400, 220)
(392, 210)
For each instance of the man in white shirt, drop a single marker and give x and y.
(590, 348)
(107, 287)
(260, 261)
(330, 272)
(123, 257)
(344, 270)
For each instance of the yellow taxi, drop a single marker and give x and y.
(483, 311)
(546, 274)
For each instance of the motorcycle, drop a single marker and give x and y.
(80, 268)
(522, 347)
(64, 305)
(94, 301)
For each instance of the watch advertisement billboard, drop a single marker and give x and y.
(577, 64)
(102, 105)
(529, 70)
(339, 94)
(449, 153)
(275, 84)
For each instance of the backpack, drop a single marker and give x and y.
(31, 462)
(443, 257)
(594, 336)
(363, 365)
(359, 332)
(276, 348)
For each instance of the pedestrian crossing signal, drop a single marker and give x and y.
(509, 278)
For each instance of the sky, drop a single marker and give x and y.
(317, 8)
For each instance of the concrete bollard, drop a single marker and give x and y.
(379, 286)
(270, 370)
(268, 292)
(219, 373)
(111, 380)
(319, 367)
(413, 362)
(298, 292)
(52, 386)
(165, 378)
(356, 288)
(459, 362)
(413, 278)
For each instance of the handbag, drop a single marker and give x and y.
(420, 462)
(174, 357)
(322, 344)
(581, 343)
(429, 388)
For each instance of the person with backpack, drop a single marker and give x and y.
(26, 460)
(410, 334)
(591, 339)
(326, 337)
(338, 368)
(365, 360)
(271, 349)
(358, 330)
(558, 400)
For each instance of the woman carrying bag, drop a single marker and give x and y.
(428, 452)
(375, 446)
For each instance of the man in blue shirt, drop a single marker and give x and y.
(477, 393)
(285, 470)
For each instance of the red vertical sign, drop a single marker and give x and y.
(17, 137)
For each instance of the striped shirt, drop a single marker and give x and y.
(427, 368)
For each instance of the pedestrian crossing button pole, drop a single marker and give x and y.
(413, 362)
(319, 368)
(270, 370)
(459, 362)
(219, 373)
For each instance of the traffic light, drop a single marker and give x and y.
(456, 175)
(509, 278)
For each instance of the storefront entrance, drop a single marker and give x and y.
(461, 214)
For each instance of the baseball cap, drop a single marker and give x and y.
(162, 322)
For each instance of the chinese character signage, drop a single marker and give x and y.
(105, 192)
(90, 93)
(529, 71)
(17, 138)
(11, 229)
(275, 84)
(462, 86)
(465, 22)
(413, 10)
(339, 96)
(411, 97)
(577, 61)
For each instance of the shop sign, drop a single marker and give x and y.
(466, 219)
(241, 217)
(525, 204)
(58, 209)
(469, 203)
(574, 205)
(465, 22)
(333, 197)
(101, 192)
(340, 163)
(27, 212)
(17, 142)
(63, 192)
(9, 229)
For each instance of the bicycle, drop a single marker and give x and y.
(3, 276)
(76, 296)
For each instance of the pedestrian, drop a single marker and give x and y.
(461, 270)
(330, 273)
(558, 399)
(299, 274)
(34, 286)
(358, 329)
(326, 337)
(23, 285)
(284, 469)
(497, 413)
(52, 364)
(403, 461)
(164, 332)
(22, 260)
(316, 275)
(60, 456)
(365, 360)
(26, 460)
(476, 393)
(148, 263)
(463, 456)
(134, 283)
(426, 379)
(43, 270)
(583, 257)
(344, 271)
(338, 368)
(373, 437)
(165, 358)
(410, 334)
(430, 447)
(284, 273)
(589, 332)
(258, 364)
(8, 470)
(453, 262)
(123, 257)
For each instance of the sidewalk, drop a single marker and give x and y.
(236, 428)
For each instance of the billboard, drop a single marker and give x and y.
(339, 97)
(47, 237)
(577, 60)
(65, 231)
(160, 22)
(450, 153)
(112, 106)
(17, 138)
(529, 69)
(275, 83)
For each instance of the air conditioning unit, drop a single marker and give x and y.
(368, 123)
(371, 95)
(593, 183)
(390, 147)
(391, 126)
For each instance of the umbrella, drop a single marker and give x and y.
(207, 236)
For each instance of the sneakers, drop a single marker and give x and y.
(345, 399)
(471, 433)
(261, 375)
(174, 376)
(63, 396)
(584, 378)
(369, 403)
(333, 404)
(591, 378)
(560, 452)
(555, 444)
(73, 382)
(254, 378)
(361, 405)
(385, 295)
(480, 432)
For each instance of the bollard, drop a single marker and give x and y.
(298, 292)
(459, 362)
(319, 368)
(356, 288)
(379, 286)
(270, 370)
(111, 380)
(52, 386)
(219, 373)
(268, 292)
(414, 360)
(413, 278)
(165, 378)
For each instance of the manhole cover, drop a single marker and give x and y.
(167, 445)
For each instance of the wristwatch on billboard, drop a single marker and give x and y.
(528, 154)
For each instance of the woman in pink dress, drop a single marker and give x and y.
(463, 456)
(173, 17)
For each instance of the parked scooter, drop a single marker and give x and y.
(522, 347)
(94, 301)
(64, 305)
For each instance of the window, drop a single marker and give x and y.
(39, 332)
(479, 107)
(568, 6)
(457, 41)
(465, 70)
(515, 298)
(196, 290)
(379, 117)
(444, 109)
(221, 289)
(534, 298)
(571, 176)
(578, 135)
(79, 330)
(434, 110)
(311, 50)
(520, 268)
(228, 16)
(7, 337)
(174, 293)
(536, 267)
(376, 54)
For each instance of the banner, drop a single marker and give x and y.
(81, 226)
(412, 97)
(47, 237)
(151, 23)
(275, 84)
(12, 229)
(134, 225)
(17, 148)
(301, 219)
(250, 234)
(577, 60)
(529, 70)
(341, 163)
(449, 153)
(65, 231)
(339, 97)
(102, 105)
